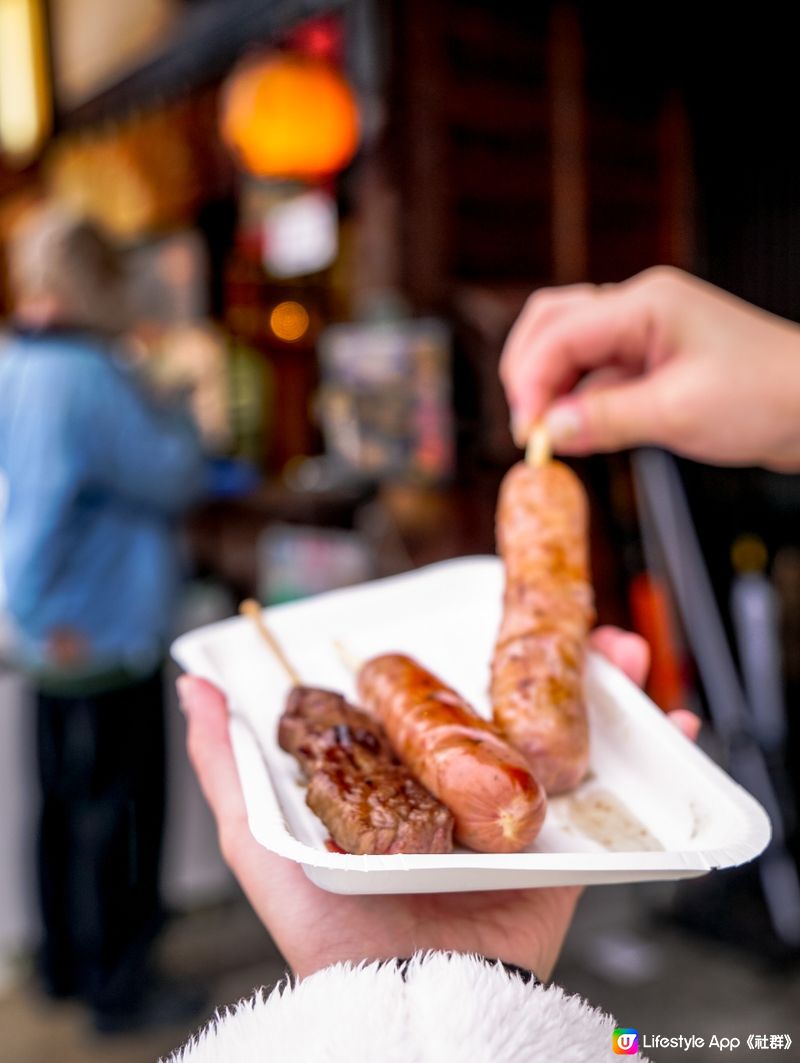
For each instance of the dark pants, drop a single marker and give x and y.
(101, 769)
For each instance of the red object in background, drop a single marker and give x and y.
(652, 620)
(322, 37)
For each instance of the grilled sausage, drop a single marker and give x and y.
(537, 669)
(497, 805)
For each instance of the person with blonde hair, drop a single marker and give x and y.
(63, 268)
(97, 476)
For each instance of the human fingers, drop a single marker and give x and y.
(601, 412)
(631, 653)
(614, 327)
(209, 746)
(211, 754)
(610, 418)
(541, 308)
(686, 722)
(266, 878)
(627, 650)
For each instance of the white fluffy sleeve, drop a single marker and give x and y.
(448, 1007)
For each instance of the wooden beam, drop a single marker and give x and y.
(567, 95)
(427, 206)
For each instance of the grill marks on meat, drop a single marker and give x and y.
(368, 801)
(306, 728)
(384, 812)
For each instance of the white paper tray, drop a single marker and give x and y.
(653, 806)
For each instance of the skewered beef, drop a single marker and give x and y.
(369, 802)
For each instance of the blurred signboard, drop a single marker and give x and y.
(385, 402)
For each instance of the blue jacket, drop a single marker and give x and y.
(96, 476)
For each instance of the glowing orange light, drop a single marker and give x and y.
(289, 321)
(290, 116)
(25, 111)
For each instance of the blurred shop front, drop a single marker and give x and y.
(243, 155)
(332, 215)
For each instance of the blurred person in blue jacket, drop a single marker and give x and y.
(97, 475)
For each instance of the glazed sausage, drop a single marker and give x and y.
(537, 669)
(497, 805)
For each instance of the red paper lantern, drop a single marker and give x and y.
(290, 116)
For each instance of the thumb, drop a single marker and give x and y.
(604, 419)
(209, 747)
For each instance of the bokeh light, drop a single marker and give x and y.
(289, 321)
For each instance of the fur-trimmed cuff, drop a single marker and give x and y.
(524, 973)
(440, 1007)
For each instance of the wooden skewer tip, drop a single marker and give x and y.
(252, 610)
(347, 657)
(250, 607)
(539, 451)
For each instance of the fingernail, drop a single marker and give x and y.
(520, 429)
(563, 424)
(183, 684)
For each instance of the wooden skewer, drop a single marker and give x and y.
(346, 657)
(252, 610)
(539, 452)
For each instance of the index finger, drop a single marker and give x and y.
(540, 364)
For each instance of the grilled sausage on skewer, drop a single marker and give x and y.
(537, 670)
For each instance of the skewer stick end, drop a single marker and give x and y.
(250, 607)
(347, 657)
(539, 451)
(252, 610)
